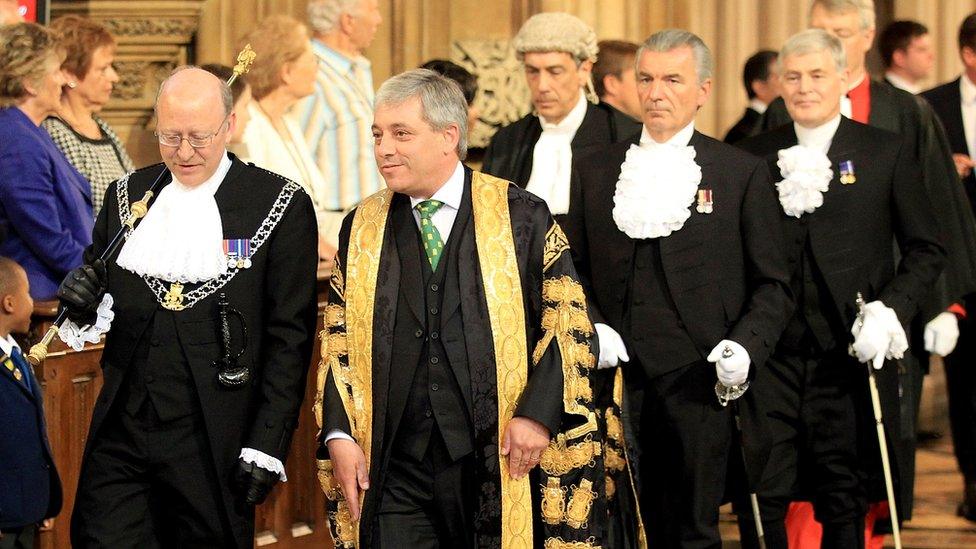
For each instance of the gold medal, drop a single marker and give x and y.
(17, 374)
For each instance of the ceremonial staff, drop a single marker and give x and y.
(873, 365)
(137, 211)
(731, 394)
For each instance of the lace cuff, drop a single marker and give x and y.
(75, 336)
(264, 461)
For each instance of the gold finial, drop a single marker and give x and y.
(244, 61)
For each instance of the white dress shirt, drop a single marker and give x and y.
(902, 84)
(758, 106)
(846, 107)
(7, 345)
(967, 92)
(450, 195)
(818, 138)
(552, 159)
(680, 139)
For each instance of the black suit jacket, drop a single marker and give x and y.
(745, 127)
(851, 233)
(276, 296)
(923, 137)
(851, 237)
(946, 101)
(509, 155)
(726, 270)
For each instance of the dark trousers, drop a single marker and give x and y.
(684, 437)
(960, 369)
(147, 483)
(18, 538)
(812, 407)
(428, 503)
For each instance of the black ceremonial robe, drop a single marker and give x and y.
(526, 344)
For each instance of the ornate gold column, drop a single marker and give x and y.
(154, 36)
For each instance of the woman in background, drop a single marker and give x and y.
(85, 139)
(45, 204)
(274, 141)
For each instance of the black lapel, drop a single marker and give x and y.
(842, 145)
(594, 130)
(452, 298)
(954, 126)
(409, 250)
(524, 148)
(679, 246)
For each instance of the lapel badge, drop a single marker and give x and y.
(847, 176)
(704, 201)
(17, 375)
(238, 252)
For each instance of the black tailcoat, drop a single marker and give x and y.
(851, 234)
(276, 296)
(726, 270)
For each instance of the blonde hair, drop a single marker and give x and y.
(25, 49)
(277, 40)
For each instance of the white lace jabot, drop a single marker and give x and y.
(181, 238)
(657, 185)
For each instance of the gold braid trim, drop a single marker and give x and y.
(615, 429)
(328, 481)
(564, 319)
(559, 458)
(558, 543)
(553, 502)
(347, 343)
(503, 293)
(556, 244)
(337, 281)
(578, 510)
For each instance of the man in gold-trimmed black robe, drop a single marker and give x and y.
(456, 353)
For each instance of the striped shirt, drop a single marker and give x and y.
(337, 122)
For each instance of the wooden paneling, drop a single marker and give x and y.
(293, 517)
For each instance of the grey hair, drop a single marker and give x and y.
(865, 9)
(813, 41)
(226, 96)
(323, 15)
(441, 101)
(672, 39)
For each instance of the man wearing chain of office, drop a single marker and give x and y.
(205, 362)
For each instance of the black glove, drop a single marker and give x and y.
(253, 482)
(82, 290)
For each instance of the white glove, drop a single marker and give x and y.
(941, 334)
(881, 335)
(612, 348)
(731, 362)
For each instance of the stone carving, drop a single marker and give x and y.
(139, 79)
(503, 96)
(169, 27)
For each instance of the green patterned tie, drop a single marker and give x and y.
(433, 244)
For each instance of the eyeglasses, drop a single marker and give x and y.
(195, 141)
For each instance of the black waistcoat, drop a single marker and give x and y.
(816, 325)
(436, 394)
(160, 372)
(654, 327)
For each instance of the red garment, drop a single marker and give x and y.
(804, 532)
(860, 97)
(958, 310)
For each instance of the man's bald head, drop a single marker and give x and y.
(189, 83)
(194, 121)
